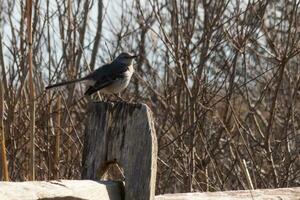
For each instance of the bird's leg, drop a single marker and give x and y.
(119, 97)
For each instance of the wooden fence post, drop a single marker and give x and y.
(122, 133)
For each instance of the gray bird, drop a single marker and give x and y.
(111, 78)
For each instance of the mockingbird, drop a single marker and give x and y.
(111, 78)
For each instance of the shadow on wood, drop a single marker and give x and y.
(122, 133)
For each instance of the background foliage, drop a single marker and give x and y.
(221, 77)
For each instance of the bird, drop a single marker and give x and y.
(111, 78)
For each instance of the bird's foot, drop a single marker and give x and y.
(118, 96)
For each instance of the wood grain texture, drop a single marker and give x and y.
(111, 190)
(122, 133)
(260, 194)
(62, 190)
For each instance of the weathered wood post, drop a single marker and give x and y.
(122, 133)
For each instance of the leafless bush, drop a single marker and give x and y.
(222, 78)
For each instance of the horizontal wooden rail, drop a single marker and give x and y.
(260, 194)
(62, 190)
(111, 190)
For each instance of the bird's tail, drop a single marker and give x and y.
(65, 83)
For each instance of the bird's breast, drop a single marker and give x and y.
(130, 71)
(120, 84)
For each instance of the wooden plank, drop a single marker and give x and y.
(261, 194)
(62, 190)
(112, 190)
(122, 133)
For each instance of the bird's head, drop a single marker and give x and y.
(125, 58)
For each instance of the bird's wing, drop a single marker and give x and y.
(105, 76)
(98, 86)
(107, 70)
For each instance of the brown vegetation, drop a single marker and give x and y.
(222, 78)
